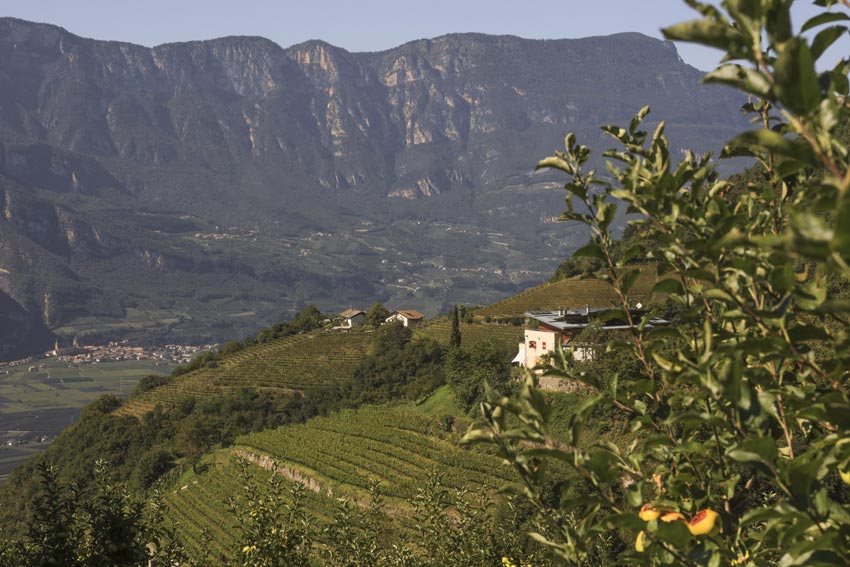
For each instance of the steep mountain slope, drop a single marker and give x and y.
(219, 185)
(193, 427)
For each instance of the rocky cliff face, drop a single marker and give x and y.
(114, 157)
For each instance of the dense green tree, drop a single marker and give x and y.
(104, 527)
(307, 319)
(376, 315)
(454, 339)
(272, 522)
(741, 428)
(397, 367)
(469, 370)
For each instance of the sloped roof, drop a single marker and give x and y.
(570, 319)
(408, 313)
(349, 313)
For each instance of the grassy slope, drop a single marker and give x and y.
(506, 336)
(299, 362)
(572, 293)
(336, 456)
(342, 453)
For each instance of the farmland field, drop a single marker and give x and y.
(42, 402)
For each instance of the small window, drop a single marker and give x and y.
(544, 345)
(532, 344)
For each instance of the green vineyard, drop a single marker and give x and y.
(303, 362)
(506, 336)
(395, 446)
(200, 504)
(333, 456)
(572, 293)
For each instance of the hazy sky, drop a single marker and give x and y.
(364, 25)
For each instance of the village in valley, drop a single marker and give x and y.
(113, 351)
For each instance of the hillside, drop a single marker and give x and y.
(306, 363)
(204, 190)
(572, 293)
(397, 446)
(331, 410)
(311, 362)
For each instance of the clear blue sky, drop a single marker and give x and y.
(364, 25)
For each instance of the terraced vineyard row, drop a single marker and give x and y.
(300, 362)
(572, 293)
(351, 448)
(313, 361)
(506, 336)
(201, 503)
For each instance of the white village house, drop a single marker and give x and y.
(408, 317)
(561, 326)
(352, 318)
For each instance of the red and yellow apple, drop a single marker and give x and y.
(673, 517)
(704, 522)
(649, 512)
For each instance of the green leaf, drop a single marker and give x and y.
(706, 32)
(638, 119)
(789, 167)
(760, 453)
(741, 78)
(626, 521)
(797, 85)
(632, 253)
(825, 38)
(628, 280)
(605, 214)
(841, 239)
(839, 82)
(778, 22)
(675, 533)
(824, 18)
(802, 474)
(769, 140)
(590, 250)
(554, 163)
(668, 285)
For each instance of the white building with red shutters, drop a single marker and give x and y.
(561, 326)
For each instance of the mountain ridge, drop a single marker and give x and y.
(160, 176)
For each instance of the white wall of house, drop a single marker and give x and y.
(538, 343)
(355, 321)
(400, 317)
(582, 353)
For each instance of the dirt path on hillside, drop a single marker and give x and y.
(266, 462)
(295, 475)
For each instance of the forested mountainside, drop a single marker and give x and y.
(238, 180)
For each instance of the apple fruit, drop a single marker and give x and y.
(704, 522)
(672, 517)
(649, 512)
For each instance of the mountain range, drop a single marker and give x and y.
(203, 190)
